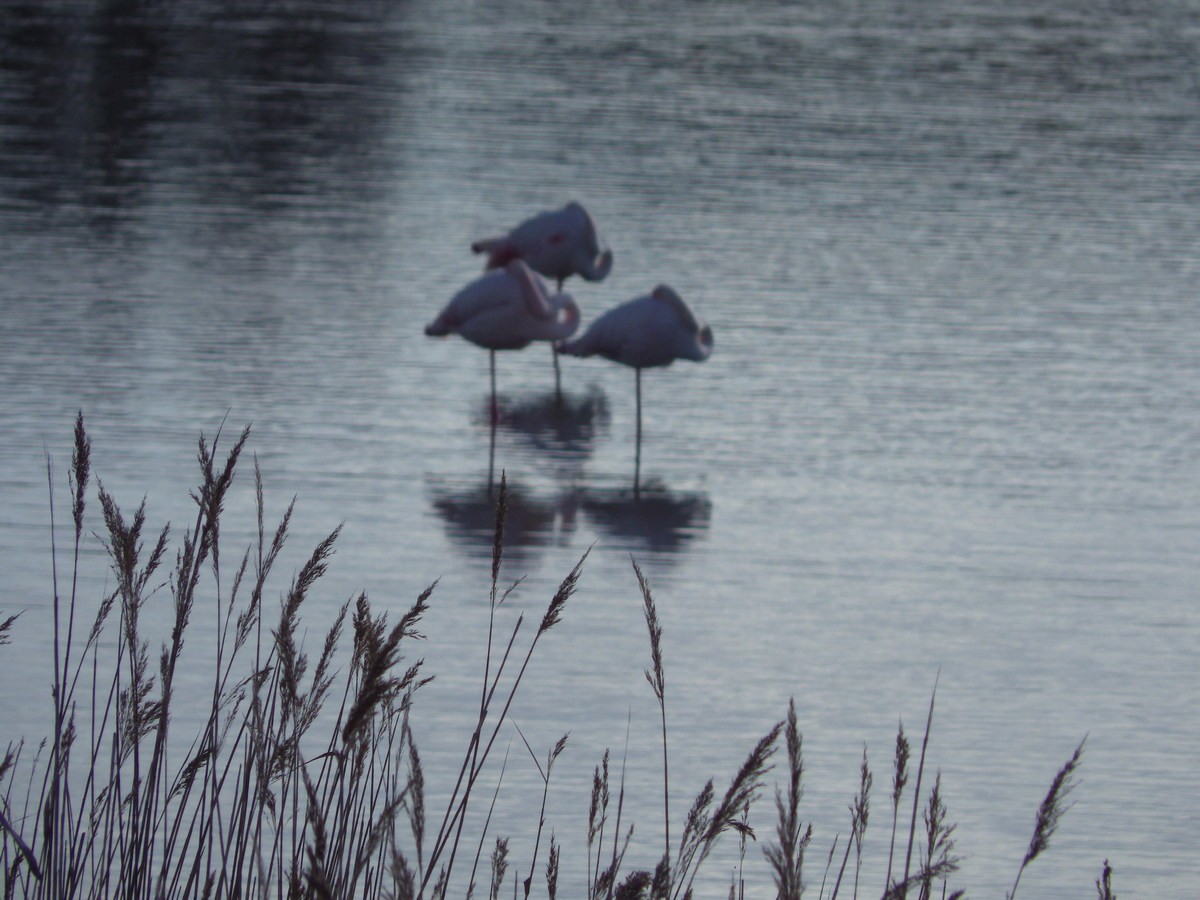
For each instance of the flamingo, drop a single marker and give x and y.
(507, 309)
(645, 333)
(557, 244)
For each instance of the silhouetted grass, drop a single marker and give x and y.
(786, 854)
(300, 782)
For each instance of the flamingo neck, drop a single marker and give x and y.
(567, 317)
(594, 268)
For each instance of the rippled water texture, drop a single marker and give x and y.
(948, 251)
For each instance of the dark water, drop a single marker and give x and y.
(949, 255)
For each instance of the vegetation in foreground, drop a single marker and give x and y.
(268, 801)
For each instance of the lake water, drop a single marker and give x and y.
(951, 425)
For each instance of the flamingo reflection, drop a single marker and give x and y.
(660, 520)
(531, 522)
(657, 519)
(566, 428)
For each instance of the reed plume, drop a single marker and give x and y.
(1104, 889)
(703, 829)
(658, 683)
(899, 780)
(940, 860)
(499, 867)
(786, 854)
(552, 868)
(1050, 812)
(6, 628)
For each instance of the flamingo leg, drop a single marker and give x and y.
(554, 356)
(557, 376)
(637, 453)
(492, 367)
(491, 458)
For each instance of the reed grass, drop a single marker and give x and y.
(786, 854)
(304, 779)
(1104, 888)
(658, 684)
(1050, 812)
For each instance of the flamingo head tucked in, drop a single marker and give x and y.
(589, 257)
(693, 339)
(646, 332)
(554, 317)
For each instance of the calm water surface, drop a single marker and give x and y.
(952, 423)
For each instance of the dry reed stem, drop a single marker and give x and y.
(912, 829)
(483, 831)
(829, 863)
(551, 756)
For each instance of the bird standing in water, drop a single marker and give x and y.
(557, 244)
(507, 309)
(645, 333)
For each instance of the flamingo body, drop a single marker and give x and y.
(646, 332)
(557, 244)
(507, 309)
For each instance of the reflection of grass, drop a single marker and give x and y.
(297, 785)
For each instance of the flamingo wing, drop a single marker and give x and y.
(534, 293)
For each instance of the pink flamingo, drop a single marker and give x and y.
(645, 333)
(507, 309)
(557, 244)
